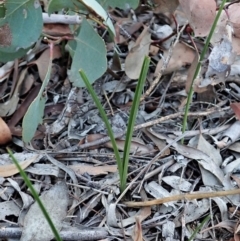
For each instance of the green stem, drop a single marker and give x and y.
(206, 219)
(190, 94)
(35, 195)
(131, 121)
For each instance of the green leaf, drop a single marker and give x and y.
(90, 55)
(57, 5)
(35, 111)
(131, 121)
(117, 3)
(5, 57)
(92, 6)
(32, 118)
(105, 119)
(2, 11)
(35, 195)
(21, 26)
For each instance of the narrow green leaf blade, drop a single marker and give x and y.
(105, 119)
(131, 121)
(35, 195)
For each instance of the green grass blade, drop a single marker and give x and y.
(190, 94)
(35, 195)
(206, 219)
(105, 119)
(131, 121)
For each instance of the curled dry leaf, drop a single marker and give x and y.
(182, 55)
(161, 144)
(8, 108)
(43, 61)
(232, 133)
(210, 177)
(5, 133)
(220, 61)
(138, 236)
(200, 15)
(139, 50)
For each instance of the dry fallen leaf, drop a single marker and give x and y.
(220, 30)
(200, 15)
(182, 55)
(43, 61)
(5, 70)
(9, 170)
(36, 225)
(135, 57)
(8, 108)
(234, 20)
(137, 231)
(93, 170)
(161, 144)
(236, 108)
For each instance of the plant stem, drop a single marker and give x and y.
(35, 195)
(190, 94)
(131, 121)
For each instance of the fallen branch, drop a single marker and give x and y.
(69, 233)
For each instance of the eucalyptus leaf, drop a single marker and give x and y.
(57, 5)
(2, 11)
(21, 26)
(6, 57)
(35, 111)
(89, 55)
(120, 4)
(96, 11)
(33, 117)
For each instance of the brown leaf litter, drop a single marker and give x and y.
(172, 185)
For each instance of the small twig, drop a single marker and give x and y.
(63, 19)
(163, 68)
(188, 196)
